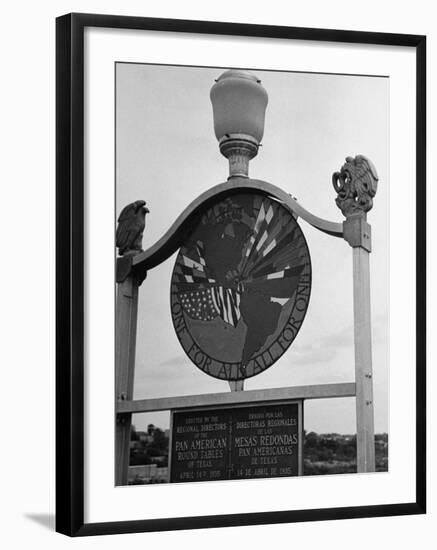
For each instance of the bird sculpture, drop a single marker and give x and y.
(131, 224)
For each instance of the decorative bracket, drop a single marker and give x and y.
(123, 268)
(357, 232)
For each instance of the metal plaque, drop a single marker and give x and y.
(238, 443)
(240, 286)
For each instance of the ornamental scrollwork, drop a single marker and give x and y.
(356, 185)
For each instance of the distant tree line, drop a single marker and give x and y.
(337, 454)
(323, 453)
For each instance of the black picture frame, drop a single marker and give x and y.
(70, 273)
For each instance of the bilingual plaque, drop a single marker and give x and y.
(241, 286)
(236, 443)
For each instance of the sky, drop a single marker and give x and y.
(167, 154)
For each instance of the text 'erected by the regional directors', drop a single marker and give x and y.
(238, 443)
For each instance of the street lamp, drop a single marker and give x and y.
(239, 103)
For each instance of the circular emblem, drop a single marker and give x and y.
(240, 286)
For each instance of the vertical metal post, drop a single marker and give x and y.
(170, 446)
(125, 342)
(357, 233)
(128, 240)
(301, 439)
(363, 362)
(236, 385)
(356, 184)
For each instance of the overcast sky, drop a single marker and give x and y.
(167, 154)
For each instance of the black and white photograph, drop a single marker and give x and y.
(252, 274)
(240, 275)
(217, 266)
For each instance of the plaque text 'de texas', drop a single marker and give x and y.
(238, 443)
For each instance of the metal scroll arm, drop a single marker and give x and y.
(173, 238)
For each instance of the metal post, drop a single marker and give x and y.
(300, 471)
(356, 185)
(125, 343)
(236, 385)
(363, 361)
(128, 239)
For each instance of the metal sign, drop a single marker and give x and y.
(237, 443)
(241, 286)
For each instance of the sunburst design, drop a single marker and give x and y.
(271, 261)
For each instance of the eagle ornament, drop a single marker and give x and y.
(356, 185)
(131, 224)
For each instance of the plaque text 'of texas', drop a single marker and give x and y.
(241, 286)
